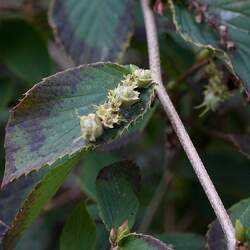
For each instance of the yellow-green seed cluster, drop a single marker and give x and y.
(215, 92)
(108, 113)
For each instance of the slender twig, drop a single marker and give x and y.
(30, 7)
(207, 184)
(59, 56)
(186, 74)
(63, 198)
(155, 202)
(7, 5)
(196, 66)
(158, 196)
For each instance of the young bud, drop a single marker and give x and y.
(123, 230)
(91, 127)
(240, 231)
(113, 236)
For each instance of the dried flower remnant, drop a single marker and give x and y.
(91, 127)
(202, 15)
(158, 7)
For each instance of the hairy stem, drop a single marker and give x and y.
(207, 184)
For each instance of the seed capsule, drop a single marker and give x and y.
(91, 127)
(130, 80)
(215, 91)
(108, 114)
(143, 77)
(123, 95)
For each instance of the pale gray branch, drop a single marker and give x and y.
(207, 184)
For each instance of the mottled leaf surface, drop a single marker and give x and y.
(235, 15)
(183, 241)
(92, 31)
(26, 196)
(215, 235)
(142, 242)
(116, 187)
(79, 231)
(13, 195)
(45, 126)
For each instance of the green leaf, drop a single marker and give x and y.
(24, 50)
(102, 235)
(92, 164)
(45, 125)
(215, 235)
(116, 186)
(183, 241)
(235, 15)
(37, 237)
(26, 196)
(135, 241)
(92, 31)
(79, 231)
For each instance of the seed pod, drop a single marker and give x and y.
(130, 80)
(108, 114)
(215, 92)
(211, 101)
(123, 95)
(143, 77)
(91, 127)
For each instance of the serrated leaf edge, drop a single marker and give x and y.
(86, 147)
(120, 54)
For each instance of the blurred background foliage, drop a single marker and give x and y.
(28, 53)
